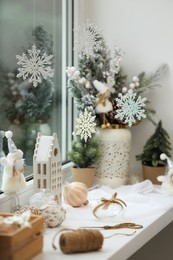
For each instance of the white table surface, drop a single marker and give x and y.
(151, 208)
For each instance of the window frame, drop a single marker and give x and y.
(8, 202)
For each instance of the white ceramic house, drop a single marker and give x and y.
(47, 166)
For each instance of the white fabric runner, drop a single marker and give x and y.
(142, 199)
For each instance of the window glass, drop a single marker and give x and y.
(26, 109)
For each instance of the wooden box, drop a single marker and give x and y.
(22, 243)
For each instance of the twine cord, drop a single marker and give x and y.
(124, 225)
(121, 234)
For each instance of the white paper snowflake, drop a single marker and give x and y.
(86, 39)
(85, 125)
(131, 108)
(35, 67)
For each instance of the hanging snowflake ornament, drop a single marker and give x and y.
(131, 108)
(34, 66)
(85, 125)
(86, 39)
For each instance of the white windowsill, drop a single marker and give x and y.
(117, 247)
(8, 202)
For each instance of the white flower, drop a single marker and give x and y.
(76, 74)
(130, 108)
(85, 125)
(87, 85)
(111, 83)
(70, 71)
(35, 66)
(135, 79)
(82, 80)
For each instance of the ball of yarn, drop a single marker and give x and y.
(82, 240)
(53, 213)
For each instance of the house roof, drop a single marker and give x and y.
(44, 147)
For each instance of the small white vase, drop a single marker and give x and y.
(113, 166)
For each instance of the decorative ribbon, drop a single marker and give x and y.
(105, 203)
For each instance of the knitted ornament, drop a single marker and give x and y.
(53, 213)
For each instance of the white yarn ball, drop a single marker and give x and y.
(9, 134)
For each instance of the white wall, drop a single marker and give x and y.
(144, 30)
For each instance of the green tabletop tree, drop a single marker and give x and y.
(157, 144)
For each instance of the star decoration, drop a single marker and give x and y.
(131, 109)
(85, 125)
(34, 66)
(86, 39)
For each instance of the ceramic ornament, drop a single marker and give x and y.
(41, 198)
(75, 194)
(13, 179)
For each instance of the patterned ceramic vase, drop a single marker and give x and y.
(113, 167)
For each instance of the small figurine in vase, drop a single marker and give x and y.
(103, 105)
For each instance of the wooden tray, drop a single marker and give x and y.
(22, 243)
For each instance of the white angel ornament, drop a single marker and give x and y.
(103, 105)
(13, 179)
(167, 179)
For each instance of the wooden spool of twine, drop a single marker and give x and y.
(81, 240)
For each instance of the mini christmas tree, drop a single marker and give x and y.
(157, 144)
(84, 154)
(85, 150)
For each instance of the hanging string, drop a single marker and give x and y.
(34, 14)
(34, 21)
